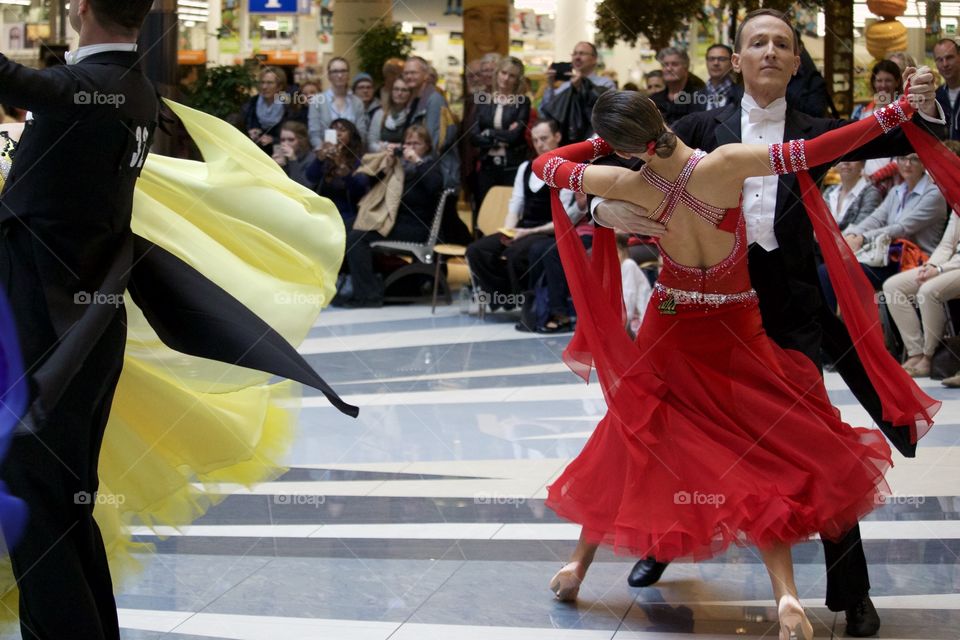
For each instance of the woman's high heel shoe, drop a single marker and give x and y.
(793, 621)
(566, 583)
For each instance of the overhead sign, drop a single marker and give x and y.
(279, 6)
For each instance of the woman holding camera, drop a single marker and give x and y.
(333, 172)
(293, 152)
(500, 128)
(422, 185)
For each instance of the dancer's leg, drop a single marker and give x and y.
(793, 621)
(566, 583)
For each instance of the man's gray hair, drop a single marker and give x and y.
(674, 51)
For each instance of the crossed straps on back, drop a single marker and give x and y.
(676, 192)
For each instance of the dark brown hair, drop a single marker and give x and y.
(629, 121)
(127, 15)
(890, 67)
(779, 15)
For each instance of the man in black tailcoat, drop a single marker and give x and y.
(64, 236)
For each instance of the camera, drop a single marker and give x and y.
(398, 151)
(563, 70)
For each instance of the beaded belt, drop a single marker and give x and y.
(672, 297)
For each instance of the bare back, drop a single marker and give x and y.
(691, 239)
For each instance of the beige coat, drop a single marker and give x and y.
(377, 211)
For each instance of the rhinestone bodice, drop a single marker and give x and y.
(7, 146)
(725, 282)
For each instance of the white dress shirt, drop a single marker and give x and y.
(760, 194)
(73, 57)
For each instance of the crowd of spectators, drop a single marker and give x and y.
(384, 154)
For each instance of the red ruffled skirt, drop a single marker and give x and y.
(719, 436)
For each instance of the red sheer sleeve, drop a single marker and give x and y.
(600, 340)
(563, 168)
(799, 155)
(903, 403)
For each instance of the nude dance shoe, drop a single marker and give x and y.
(793, 621)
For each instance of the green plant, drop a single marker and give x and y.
(659, 22)
(378, 44)
(222, 90)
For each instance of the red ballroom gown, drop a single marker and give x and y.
(714, 434)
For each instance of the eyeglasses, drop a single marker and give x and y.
(718, 58)
(909, 159)
(339, 71)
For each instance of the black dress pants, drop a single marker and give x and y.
(790, 309)
(502, 269)
(359, 258)
(60, 563)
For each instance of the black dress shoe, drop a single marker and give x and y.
(862, 619)
(646, 572)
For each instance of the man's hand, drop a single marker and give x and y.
(854, 241)
(629, 217)
(923, 92)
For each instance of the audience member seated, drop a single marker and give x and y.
(914, 210)
(500, 125)
(421, 188)
(333, 173)
(335, 103)
(928, 287)
(294, 153)
(855, 198)
(265, 112)
(500, 262)
(391, 120)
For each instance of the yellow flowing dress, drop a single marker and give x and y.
(180, 423)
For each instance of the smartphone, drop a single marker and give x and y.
(563, 70)
(330, 135)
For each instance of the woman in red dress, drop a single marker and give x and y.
(713, 435)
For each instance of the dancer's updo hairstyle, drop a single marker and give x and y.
(629, 121)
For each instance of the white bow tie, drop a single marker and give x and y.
(773, 113)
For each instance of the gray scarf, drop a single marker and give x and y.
(269, 115)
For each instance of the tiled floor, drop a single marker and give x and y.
(424, 519)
